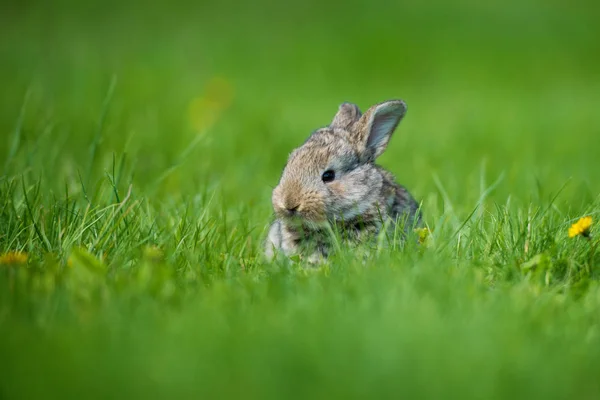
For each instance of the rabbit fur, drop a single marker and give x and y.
(332, 180)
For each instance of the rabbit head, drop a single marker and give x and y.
(332, 176)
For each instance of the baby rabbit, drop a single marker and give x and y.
(332, 179)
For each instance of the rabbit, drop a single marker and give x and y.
(332, 180)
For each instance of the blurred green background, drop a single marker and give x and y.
(196, 105)
(510, 84)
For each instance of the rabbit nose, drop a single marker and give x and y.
(292, 209)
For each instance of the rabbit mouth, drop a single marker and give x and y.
(300, 221)
(301, 215)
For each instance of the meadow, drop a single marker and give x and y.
(139, 146)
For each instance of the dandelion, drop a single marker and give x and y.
(423, 234)
(205, 110)
(153, 253)
(13, 258)
(581, 227)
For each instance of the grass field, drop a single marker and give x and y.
(139, 147)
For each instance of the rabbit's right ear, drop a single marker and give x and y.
(346, 116)
(374, 129)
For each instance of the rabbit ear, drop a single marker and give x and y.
(374, 129)
(346, 116)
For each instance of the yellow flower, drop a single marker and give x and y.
(205, 110)
(581, 227)
(423, 234)
(13, 258)
(153, 253)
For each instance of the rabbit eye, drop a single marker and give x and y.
(328, 176)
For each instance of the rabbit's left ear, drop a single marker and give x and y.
(374, 129)
(346, 116)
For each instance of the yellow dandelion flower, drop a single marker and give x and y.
(581, 227)
(205, 110)
(423, 234)
(13, 258)
(153, 253)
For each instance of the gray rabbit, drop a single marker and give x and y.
(332, 180)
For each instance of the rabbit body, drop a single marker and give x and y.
(332, 180)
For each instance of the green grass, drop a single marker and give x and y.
(143, 222)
